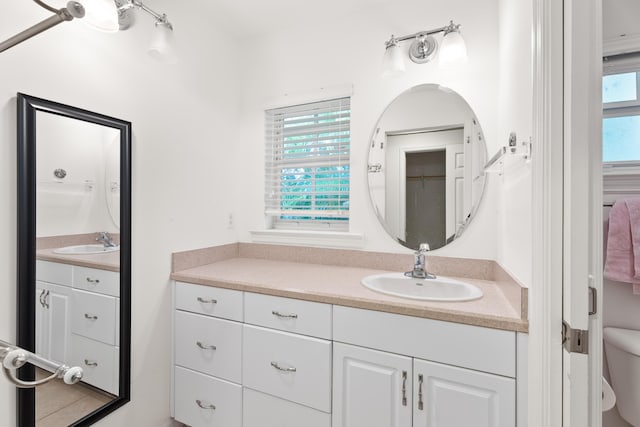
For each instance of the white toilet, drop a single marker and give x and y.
(622, 347)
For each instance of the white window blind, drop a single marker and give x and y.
(307, 163)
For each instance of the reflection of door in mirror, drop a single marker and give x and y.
(427, 169)
(77, 179)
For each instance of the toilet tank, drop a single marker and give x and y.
(622, 347)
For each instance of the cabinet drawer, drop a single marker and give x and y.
(262, 410)
(98, 360)
(293, 367)
(286, 314)
(196, 337)
(196, 395)
(94, 280)
(53, 272)
(224, 303)
(474, 347)
(93, 316)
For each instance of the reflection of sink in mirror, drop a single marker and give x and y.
(85, 249)
(438, 289)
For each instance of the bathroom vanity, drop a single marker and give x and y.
(267, 342)
(77, 312)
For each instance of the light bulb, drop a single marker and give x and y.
(101, 15)
(453, 50)
(392, 61)
(161, 47)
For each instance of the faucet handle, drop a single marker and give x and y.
(424, 247)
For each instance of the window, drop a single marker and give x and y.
(621, 114)
(307, 165)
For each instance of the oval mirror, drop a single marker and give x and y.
(426, 166)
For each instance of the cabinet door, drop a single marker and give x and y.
(447, 396)
(53, 318)
(370, 388)
(59, 301)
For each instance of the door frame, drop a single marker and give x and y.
(551, 44)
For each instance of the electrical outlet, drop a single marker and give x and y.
(230, 221)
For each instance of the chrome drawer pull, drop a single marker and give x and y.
(284, 316)
(90, 316)
(203, 406)
(420, 400)
(90, 363)
(404, 388)
(207, 301)
(90, 280)
(205, 347)
(280, 368)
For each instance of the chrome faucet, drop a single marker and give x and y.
(419, 264)
(106, 239)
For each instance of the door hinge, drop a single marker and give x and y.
(575, 340)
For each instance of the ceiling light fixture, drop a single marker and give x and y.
(424, 48)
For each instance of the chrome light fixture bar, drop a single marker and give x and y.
(124, 6)
(73, 10)
(424, 48)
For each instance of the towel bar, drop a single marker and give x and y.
(13, 357)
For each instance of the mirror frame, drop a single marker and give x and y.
(28, 106)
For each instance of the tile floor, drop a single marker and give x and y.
(58, 404)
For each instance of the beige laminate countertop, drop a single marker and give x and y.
(107, 261)
(341, 286)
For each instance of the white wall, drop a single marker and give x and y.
(515, 106)
(77, 203)
(184, 118)
(348, 51)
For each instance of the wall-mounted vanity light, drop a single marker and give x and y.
(424, 48)
(161, 47)
(103, 15)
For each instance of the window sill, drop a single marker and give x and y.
(322, 239)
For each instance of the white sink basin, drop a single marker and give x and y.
(438, 289)
(85, 249)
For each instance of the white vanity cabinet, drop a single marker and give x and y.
(259, 360)
(397, 387)
(287, 362)
(77, 320)
(207, 388)
(254, 360)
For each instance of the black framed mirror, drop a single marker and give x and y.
(74, 258)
